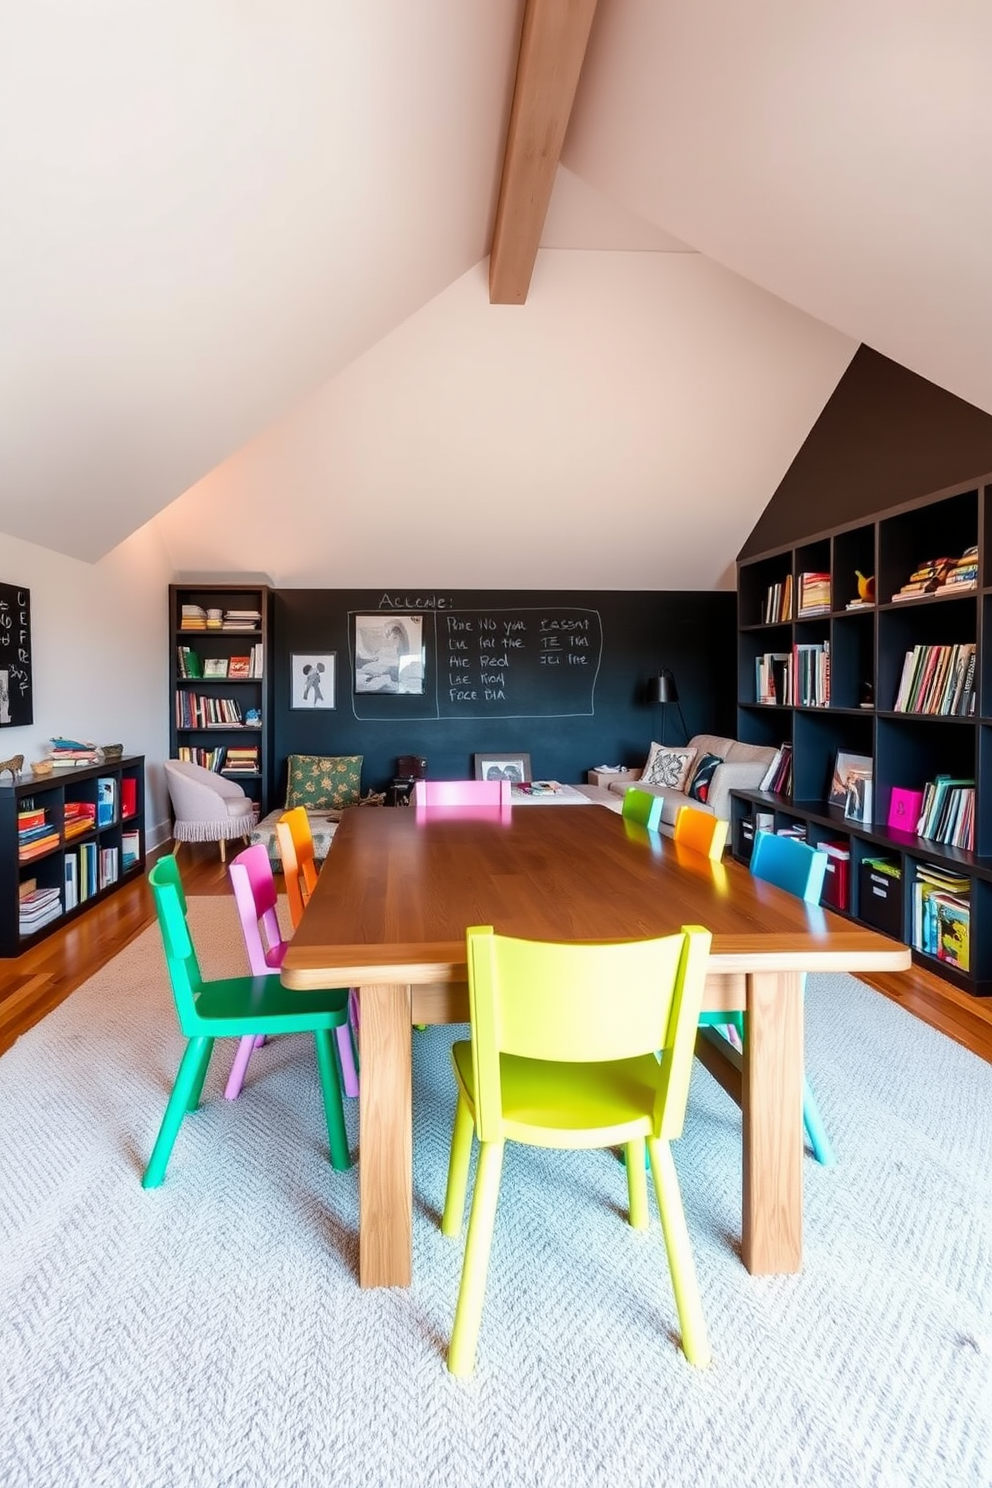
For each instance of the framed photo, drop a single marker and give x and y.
(845, 766)
(312, 679)
(513, 767)
(389, 653)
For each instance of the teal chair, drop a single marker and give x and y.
(798, 868)
(642, 807)
(235, 1007)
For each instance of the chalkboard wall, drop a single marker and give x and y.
(560, 676)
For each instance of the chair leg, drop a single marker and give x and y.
(637, 1188)
(346, 1057)
(472, 1291)
(461, 1152)
(189, 1076)
(695, 1344)
(337, 1137)
(815, 1129)
(196, 1090)
(239, 1068)
(223, 851)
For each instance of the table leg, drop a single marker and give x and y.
(771, 1108)
(385, 1169)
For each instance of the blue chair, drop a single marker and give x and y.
(799, 869)
(642, 807)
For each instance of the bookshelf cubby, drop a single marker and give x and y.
(867, 646)
(94, 816)
(209, 712)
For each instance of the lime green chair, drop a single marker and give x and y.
(545, 1068)
(235, 1007)
(642, 807)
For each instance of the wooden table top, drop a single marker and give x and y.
(399, 888)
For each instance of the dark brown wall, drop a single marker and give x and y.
(884, 436)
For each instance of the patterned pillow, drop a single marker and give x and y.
(324, 782)
(668, 767)
(699, 786)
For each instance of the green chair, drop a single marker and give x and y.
(234, 1007)
(546, 1069)
(642, 807)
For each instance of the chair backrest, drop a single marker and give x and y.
(256, 896)
(642, 807)
(462, 793)
(299, 865)
(543, 1000)
(194, 790)
(789, 864)
(701, 831)
(180, 956)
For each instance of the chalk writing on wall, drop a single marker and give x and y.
(510, 663)
(16, 702)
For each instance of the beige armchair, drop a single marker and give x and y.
(207, 807)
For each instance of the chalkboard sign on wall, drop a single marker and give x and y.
(16, 701)
(520, 662)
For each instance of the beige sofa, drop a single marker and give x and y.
(744, 767)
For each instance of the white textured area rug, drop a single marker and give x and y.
(212, 1332)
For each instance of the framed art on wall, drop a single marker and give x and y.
(513, 767)
(312, 679)
(389, 653)
(16, 697)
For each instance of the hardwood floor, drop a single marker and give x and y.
(38, 981)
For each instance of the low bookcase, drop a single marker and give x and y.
(67, 840)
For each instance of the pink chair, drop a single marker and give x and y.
(256, 897)
(462, 793)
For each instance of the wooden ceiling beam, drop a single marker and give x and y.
(553, 43)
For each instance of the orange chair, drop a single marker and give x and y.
(299, 865)
(701, 832)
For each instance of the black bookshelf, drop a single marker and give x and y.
(867, 646)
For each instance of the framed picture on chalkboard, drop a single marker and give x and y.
(16, 692)
(514, 767)
(312, 679)
(389, 653)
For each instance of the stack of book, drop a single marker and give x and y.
(814, 594)
(942, 915)
(195, 711)
(962, 575)
(242, 619)
(925, 578)
(778, 602)
(192, 617)
(35, 835)
(78, 817)
(948, 812)
(938, 680)
(38, 907)
(73, 752)
(778, 776)
(242, 761)
(539, 788)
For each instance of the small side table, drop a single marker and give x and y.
(606, 777)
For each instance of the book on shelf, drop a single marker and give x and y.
(37, 848)
(947, 814)
(207, 759)
(70, 870)
(778, 777)
(941, 915)
(239, 666)
(215, 666)
(778, 602)
(106, 800)
(773, 677)
(814, 594)
(30, 818)
(129, 796)
(108, 866)
(189, 663)
(904, 809)
(130, 849)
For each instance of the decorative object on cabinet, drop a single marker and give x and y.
(12, 766)
(313, 679)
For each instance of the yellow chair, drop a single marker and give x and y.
(299, 865)
(701, 832)
(642, 807)
(545, 1068)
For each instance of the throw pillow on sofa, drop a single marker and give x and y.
(324, 782)
(667, 767)
(699, 786)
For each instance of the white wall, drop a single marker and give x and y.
(100, 652)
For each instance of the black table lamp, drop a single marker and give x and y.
(662, 689)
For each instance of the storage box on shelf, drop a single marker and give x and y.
(67, 839)
(905, 682)
(220, 686)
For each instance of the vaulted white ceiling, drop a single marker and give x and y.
(233, 230)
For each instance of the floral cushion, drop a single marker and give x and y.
(322, 782)
(668, 767)
(699, 786)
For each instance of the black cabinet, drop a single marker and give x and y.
(828, 664)
(219, 681)
(67, 840)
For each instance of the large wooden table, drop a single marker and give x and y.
(389, 915)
